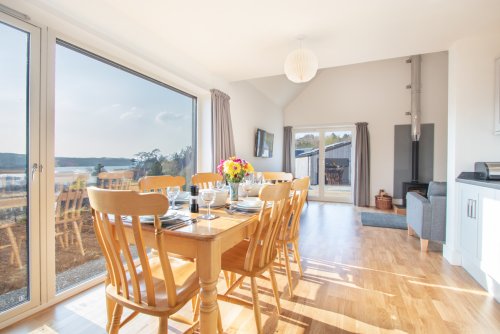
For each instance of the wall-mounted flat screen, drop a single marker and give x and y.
(264, 144)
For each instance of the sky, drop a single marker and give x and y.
(13, 58)
(100, 110)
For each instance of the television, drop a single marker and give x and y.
(263, 144)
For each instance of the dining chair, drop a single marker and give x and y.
(118, 180)
(15, 255)
(276, 177)
(155, 285)
(205, 180)
(254, 256)
(69, 207)
(290, 233)
(160, 183)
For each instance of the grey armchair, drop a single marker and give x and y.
(426, 217)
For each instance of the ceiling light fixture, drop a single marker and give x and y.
(301, 65)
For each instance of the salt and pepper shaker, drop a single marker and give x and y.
(193, 203)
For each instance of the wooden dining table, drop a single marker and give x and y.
(205, 241)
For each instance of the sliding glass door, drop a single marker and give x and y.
(19, 166)
(326, 156)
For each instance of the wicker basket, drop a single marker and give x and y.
(383, 202)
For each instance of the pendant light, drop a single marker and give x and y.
(301, 65)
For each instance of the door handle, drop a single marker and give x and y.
(468, 208)
(34, 168)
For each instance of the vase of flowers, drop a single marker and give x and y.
(234, 170)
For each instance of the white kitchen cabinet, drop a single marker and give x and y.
(480, 234)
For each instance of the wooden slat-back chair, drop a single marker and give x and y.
(118, 180)
(69, 206)
(158, 286)
(290, 232)
(160, 183)
(252, 257)
(12, 243)
(205, 180)
(276, 177)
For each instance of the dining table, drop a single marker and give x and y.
(205, 241)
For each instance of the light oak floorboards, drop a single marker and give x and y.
(356, 280)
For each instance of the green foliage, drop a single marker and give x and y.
(154, 163)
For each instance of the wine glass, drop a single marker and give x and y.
(208, 198)
(172, 193)
(247, 186)
(219, 185)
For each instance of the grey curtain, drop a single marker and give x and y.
(222, 129)
(362, 166)
(287, 149)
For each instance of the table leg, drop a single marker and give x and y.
(209, 267)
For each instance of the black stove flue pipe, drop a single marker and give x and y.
(414, 161)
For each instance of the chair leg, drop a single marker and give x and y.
(115, 320)
(297, 256)
(15, 248)
(220, 329)
(288, 269)
(275, 289)
(163, 325)
(256, 307)
(226, 278)
(423, 245)
(196, 311)
(78, 238)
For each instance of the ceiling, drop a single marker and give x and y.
(241, 40)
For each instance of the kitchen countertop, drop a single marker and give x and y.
(470, 178)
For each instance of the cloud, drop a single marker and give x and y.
(167, 116)
(133, 114)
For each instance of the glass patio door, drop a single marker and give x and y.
(19, 167)
(326, 156)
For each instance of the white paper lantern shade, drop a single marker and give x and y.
(301, 65)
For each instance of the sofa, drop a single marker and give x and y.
(426, 216)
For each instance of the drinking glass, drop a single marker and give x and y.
(247, 186)
(208, 198)
(219, 185)
(172, 193)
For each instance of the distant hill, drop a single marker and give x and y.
(18, 161)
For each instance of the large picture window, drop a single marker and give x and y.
(112, 126)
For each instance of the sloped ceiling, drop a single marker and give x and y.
(242, 40)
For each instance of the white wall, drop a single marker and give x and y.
(249, 111)
(376, 93)
(471, 118)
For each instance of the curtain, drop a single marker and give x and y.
(362, 166)
(287, 149)
(222, 130)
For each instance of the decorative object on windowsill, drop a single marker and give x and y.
(301, 65)
(234, 170)
(383, 201)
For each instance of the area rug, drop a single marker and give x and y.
(383, 220)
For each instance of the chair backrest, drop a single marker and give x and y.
(276, 177)
(69, 205)
(118, 180)
(436, 189)
(160, 183)
(300, 188)
(269, 225)
(205, 180)
(108, 209)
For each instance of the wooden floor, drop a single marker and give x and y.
(357, 280)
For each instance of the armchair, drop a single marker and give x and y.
(426, 217)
